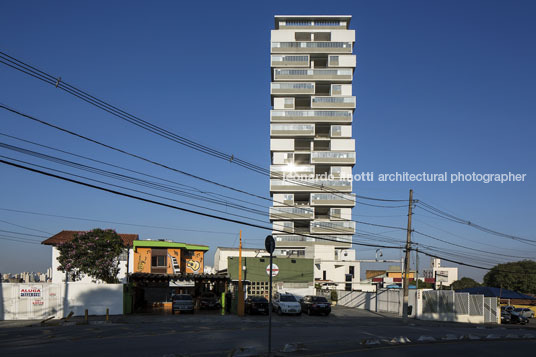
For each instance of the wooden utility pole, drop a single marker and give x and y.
(406, 259)
(240, 286)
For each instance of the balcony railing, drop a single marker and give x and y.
(292, 88)
(312, 47)
(289, 185)
(290, 61)
(282, 213)
(318, 74)
(333, 227)
(331, 116)
(292, 129)
(333, 157)
(312, 24)
(332, 199)
(278, 171)
(332, 102)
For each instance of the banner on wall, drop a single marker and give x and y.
(31, 291)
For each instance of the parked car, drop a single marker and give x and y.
(182, 303)
(256, 305)
(507, 308)
(286, 304)
(506, 318)
(315, 305)
(525, 312)
(515, 318)
(209, 301)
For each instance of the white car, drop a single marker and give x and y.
(286, 304)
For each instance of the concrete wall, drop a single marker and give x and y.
(343, 144)
(282, 144)
(39, 301)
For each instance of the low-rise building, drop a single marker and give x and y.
(442, 276)
(289, 275)
(58, 276)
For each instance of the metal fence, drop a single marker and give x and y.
(445, 305)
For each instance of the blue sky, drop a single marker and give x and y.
(441, 86)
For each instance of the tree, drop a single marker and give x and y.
(464, 283)
(517, 276)
(94, 253)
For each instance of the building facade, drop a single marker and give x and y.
(166, 257)
(289, 275)
(311, 145)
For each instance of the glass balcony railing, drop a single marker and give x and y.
(312, 47)
(290, 185)
(292, 238)
(290, 61)
(333, 157)
(332, 102)
(278, 171)
(332, 199)
(292, 88)
(332, 116)
(283, 212)
(318, 74)
(333, 227)
(292, 129)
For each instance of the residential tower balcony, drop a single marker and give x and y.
(332, 199)
(293, 213)
(311, 116)
(289, 60)
(289, 185)
(292, 88)
(333, 157)
(312, 47)
(318, 74)
(280, 171)
(318, 102)
(292, 129)
(333, 227)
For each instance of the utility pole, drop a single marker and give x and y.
(406, 259)
(240, 286)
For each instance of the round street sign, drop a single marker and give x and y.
(269, 244)
(275, 269)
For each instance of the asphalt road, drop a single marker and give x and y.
(346, 332)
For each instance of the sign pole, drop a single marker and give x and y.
(269, 243)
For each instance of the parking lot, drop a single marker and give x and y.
(345, 332)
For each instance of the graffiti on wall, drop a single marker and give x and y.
(141, 258)
(194, 264)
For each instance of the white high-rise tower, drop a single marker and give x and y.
(311, 132)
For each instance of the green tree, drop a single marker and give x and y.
(517, 276)
(464, 283)
(94, 253)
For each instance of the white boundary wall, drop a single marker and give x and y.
(41, 300)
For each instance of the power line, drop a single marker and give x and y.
(113, 222)
(465, 247)
(17, 225)
(144, 182)
(175, 207)
(456, 219)
(58, 83)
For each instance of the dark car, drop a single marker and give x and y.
(182, 303)
(515, 318)
(315, 305)
(506, 318)
(209, 301)
(256, 305)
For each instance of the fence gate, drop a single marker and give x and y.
(490, 309)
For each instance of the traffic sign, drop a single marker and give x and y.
(275, 269)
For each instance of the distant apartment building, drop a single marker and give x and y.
(311, 144)
(441, 276)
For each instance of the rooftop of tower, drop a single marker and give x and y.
(321, 18)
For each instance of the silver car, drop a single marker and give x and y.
(525, 312)
(182, 303)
